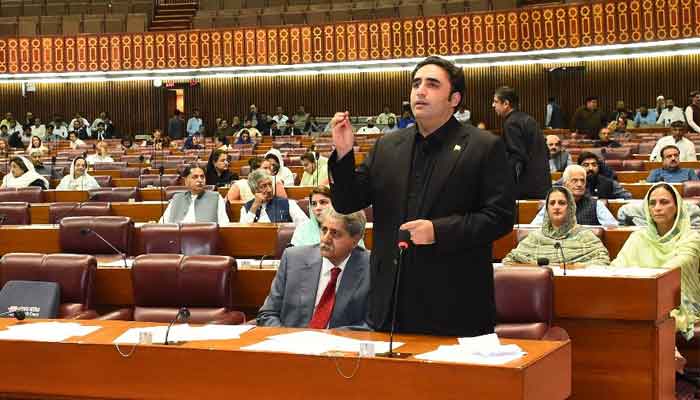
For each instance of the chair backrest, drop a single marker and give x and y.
(115, 230)
(165, 282)
(74, 273)
(185, 239)
(304, 205)
(621, 153)
(633, 165)
(691, 188)
(116, 166)
(524, 301)
(58, 211)
(103, 180)
(284, 238)
(15, 213)
(115, 194)
(155, 180)
(130, 172)
(31, 194)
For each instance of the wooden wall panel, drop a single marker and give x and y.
(139, 107)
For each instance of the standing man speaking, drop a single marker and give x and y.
(449, 186)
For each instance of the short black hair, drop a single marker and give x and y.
(670, 146)
(310, 157)
(694, 93)
(507, 93)
(455, 74)
(585, 155)
(188, 170)
(678, 124)
(255, 162)
(590, 98)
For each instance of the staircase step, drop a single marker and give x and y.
(171, 17)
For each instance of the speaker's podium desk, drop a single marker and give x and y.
(92, 367)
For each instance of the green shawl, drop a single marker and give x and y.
(679, 247)
(580, 245)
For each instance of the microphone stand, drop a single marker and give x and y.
(558, 246)
(87, 231)
(18, 314)
(160, 187)
(404, 238)
(184, 314)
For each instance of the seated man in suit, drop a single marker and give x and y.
(325, 285)
(197, 204)
(266, 206)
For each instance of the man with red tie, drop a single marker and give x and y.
(325, 285)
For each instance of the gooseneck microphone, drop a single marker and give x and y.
(87, 231)
(403, 243)
(161, 169)
(558, 246)
(17, 314)
(183, 314)
(543, 261)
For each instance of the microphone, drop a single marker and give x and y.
(557, 246)
(18, 314)
(161, 169)
(87, 231)
(543, 261)
(53, 163)
(403, 243)
(182, 314)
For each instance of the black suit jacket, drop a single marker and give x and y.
(447, 287)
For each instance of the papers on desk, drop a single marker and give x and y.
(185, 333)
(119, 262)
(605, 271)
(46, 331)
(486, 349)
(251, 263)
(315, 343)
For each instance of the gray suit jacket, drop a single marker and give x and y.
(293, 293)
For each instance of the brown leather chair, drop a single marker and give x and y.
(245, 170)
(15, 213)
(154, 180)
(524, 304)
(690, 349)
(132, 172)
(163, 283)
(31, 194)
(185, 239)
(171, 191)
(74, 273)
(112, 166)
(304, 205)
(615, 165)
(621, 153)
(58, 211)
(633, 165)
(284, 238)
(103, 180)
(115, 194)
(116, 230)
(691, 189)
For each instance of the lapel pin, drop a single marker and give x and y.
(457, 148)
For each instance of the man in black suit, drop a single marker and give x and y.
(445, 184)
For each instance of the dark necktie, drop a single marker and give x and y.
(324, 309)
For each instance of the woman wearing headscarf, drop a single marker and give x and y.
(218, 173)
(78, 178)
(22, 174)
(668, 242)
(36, 144)
(581, 247)
(279, 171)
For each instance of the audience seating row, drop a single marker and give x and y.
(72, 24)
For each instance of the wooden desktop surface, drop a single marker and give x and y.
(92, 367)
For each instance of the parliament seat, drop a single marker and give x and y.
(524, 304)
(117, 165)
(57, 211)
(15, 213)
(155, 180)
(31, 194)
(132, 172)
(633, 165)
(690, 349)
(284, 238)
(74, 273)
(103, 180)
(114, 229)
(186, 239)
(691, 189)
(621, 153)
(163, 283)
(115, 194)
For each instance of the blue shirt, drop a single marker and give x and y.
(650, 119)
(678, 176)
(604, 215)
(405, 122)
(193, 125)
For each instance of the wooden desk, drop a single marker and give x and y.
(632, 176)
(622, 335)
(649, 165)
(639, 190)
(91, 367)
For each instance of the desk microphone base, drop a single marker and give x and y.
(394, 355)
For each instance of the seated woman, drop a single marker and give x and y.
(581, 246)
(75, 142)
(309, 232)
(36, 144)
(244, 138)
(240, 190)
(218, 173)
(279, 171)
(315, 172)
(668, 242)
(78, 178)
(265, 206)
(22, 175)
(221, 143)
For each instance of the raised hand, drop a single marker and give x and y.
(343, 138)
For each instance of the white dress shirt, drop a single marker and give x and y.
(298, 216)
(668, 117)
(685, 146)
(325, 276)
(222, 217)
(281, 120)
(463, 116)
(96, 158)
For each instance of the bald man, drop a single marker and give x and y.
(559, 158)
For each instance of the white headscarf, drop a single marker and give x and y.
(24, 180)
(83, 182)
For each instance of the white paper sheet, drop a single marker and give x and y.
(605, 271)
(314, 342)
(46, 331)
(485, 349)
(185, 333)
